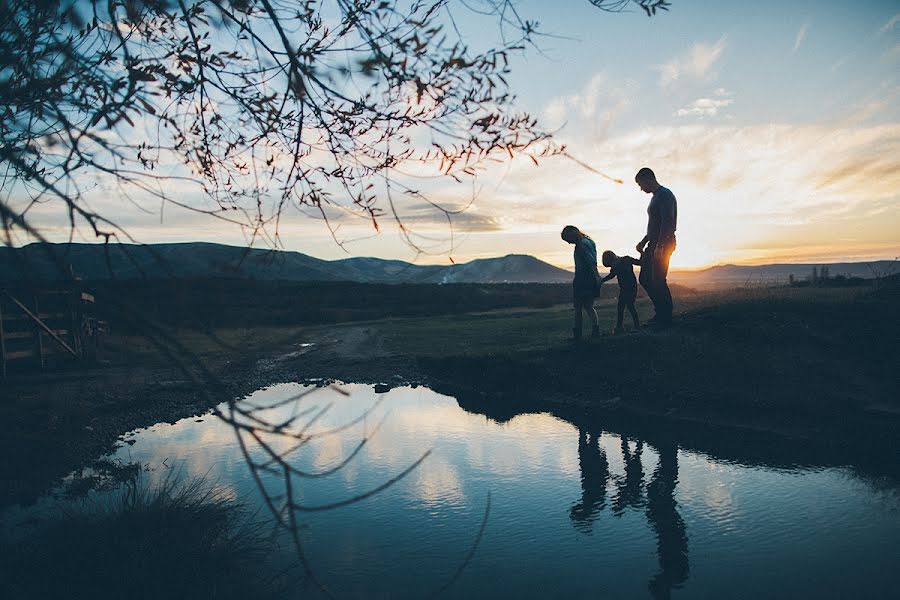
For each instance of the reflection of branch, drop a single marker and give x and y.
(471, 553)
(252, 425)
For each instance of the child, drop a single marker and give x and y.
(623, 268)
(586, 284)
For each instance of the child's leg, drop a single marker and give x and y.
(620, 312)
(634, 315)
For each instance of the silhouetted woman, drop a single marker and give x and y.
(594, 476)
(586, 283)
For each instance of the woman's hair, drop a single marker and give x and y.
(570, 232)
(608, 258)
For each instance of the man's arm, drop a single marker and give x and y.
(642, 244)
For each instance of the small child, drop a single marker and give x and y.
(586, 283)
(623, 268)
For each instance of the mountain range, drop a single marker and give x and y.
(206, 260)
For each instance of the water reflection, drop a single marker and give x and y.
(594, 478)
(579, 502)
(662, 512)
(630, 486)
(661, 507)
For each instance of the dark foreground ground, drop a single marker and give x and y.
(814, 367)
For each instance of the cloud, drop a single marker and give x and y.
(891, 24)
(584, 103)
(467, 219)
(801, 36)
(704, 107)
(739, 187)
(597, 105)
(695, 64)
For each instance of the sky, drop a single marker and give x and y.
(776, 125)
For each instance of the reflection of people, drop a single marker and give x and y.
(662, 513)
(586, 284)
(658, 245)
(594, 475)
(629, 490)
(622, 267)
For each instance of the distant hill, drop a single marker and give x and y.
(204, 260)
(737, 275)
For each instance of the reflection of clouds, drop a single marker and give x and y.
(438, 483)
(707, 487)
(414, 421)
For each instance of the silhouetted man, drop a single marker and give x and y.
(657, 246)
(671, 537)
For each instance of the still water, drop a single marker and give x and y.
(551, 509)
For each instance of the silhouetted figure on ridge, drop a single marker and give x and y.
(594, 477)
(622, 267)
(662, 513)
(657, 246)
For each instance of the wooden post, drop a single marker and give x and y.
(38, 333)
(2, 340)
(74, 300)
(40, 323)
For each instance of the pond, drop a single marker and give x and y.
(534, 506)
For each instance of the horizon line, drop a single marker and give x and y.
(455, 263)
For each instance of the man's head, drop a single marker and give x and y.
(646, 180)
(609, 258)
(571, 234)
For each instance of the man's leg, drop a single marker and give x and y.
(663, 302)
(648, 279)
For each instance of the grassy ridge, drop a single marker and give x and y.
(212, 304)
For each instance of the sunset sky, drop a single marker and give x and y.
(776, 124)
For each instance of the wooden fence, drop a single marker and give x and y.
(41, 328)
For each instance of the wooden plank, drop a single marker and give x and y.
(18, 335)
(19, 354)
(59, 332)
(29, 316)
(46, 316)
